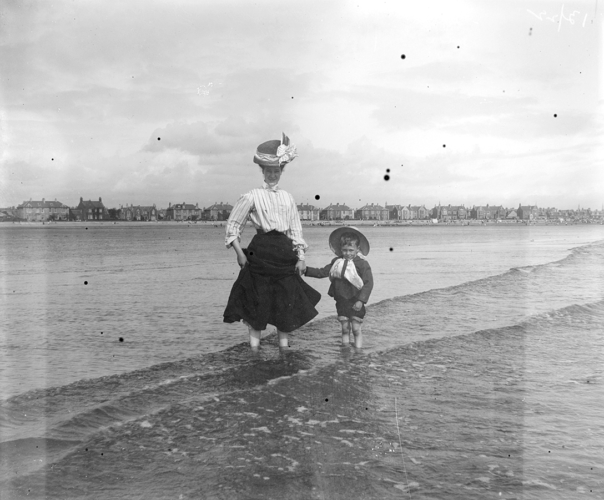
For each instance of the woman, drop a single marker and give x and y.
(269, 288)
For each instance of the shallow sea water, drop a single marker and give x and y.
(482, 376)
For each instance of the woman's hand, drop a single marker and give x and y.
(300, 267)
(241, 260)
(357, 305)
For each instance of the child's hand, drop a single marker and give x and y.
(300, 267)
(357, 305)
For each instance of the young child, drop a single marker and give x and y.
(351, 280)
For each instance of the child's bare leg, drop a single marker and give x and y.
(254, 338)
(358, 333)
(345, 322)
(283, 341)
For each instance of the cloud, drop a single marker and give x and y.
(231, 139)
(88, 88)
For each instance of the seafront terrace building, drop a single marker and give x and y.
(527, 212)
(550, 213)
(478, 212)
(511, 214)
(458, 212)
(89, 210)
(308, 212)
(183, 211)
(450, 212)
(409, 212)
(418, 212)
(397, 212)
(487, 212)
(41, 211)
(372, 211)
(495, 212)
(337, 212)
(439, 212)
(138, 213)
(217, 211)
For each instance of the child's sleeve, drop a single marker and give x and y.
(367, 278)
(319, 272)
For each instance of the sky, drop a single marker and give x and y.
(155, 102)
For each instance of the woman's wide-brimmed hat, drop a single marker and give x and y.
(334, 240)
(275, 153)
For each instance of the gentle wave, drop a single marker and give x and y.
(150, 394)
(464, 409)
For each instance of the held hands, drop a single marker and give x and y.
(300, 267)
(357, 305)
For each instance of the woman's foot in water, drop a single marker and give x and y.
(254, 338)
(283, 340)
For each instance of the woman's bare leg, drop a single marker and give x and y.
(283, 342)
(358, 334)
(254, 338)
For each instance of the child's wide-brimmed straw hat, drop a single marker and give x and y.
(334, 240)
(275, 153)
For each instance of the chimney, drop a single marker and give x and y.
(81, 200)
(100, 199)
(42, 200)
(169, 204)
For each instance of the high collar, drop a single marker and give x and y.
(275, 188)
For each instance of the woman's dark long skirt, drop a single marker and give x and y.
(268, 290)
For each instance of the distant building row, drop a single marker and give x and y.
(44, 210)
(95, 210)
(442, 213)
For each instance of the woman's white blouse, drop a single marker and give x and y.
(268, 208)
